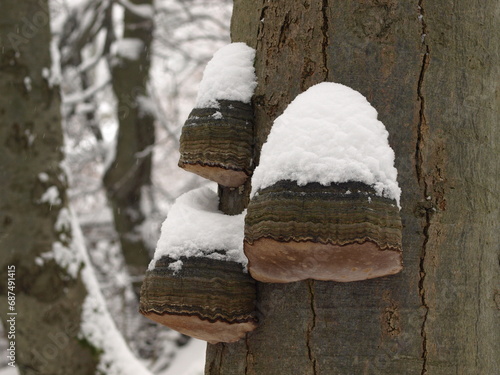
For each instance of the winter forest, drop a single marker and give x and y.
(236, 187)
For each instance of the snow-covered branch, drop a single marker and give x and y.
(145, 11)
(88, 93)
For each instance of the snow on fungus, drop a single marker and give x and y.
(328, 134)
(229, 75)
(196, 283)
(325, 198)
(217, 138)
(196, 228)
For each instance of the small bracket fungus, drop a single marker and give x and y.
(325, 200)
(197, 282)
(217, 138)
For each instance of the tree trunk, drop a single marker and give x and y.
(130, 172)
(432, 72)
(50, 304)
(48, 301)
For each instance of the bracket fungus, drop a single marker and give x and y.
(325, 200)
(197, 282)
(217, 138)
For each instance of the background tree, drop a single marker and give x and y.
(128, 177)
(432, 72)
(62, 325)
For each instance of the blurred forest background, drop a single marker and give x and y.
(128, 73)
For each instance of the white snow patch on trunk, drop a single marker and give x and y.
(27, 83)
(43, 177)
(51, 196)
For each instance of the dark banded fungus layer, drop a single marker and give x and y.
(216, 143)
(342, 232)
(208, 299)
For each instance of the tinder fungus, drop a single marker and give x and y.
(197, 282)
(217, 138)
(325, 200)
(208, 299)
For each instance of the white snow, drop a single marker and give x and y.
(328, 134)
(230, 75)
(54, 74)
(217, 115)
(97, 326)
(9, 371)
(30, 137)
(141, 10)
(189, 360)
(128, 48)
(51, 196)
(39, 261)
(196, 228)
(46, 73)
(27, 83)
(43, 177)
(63, 222)
(176, 266)
(66, 257)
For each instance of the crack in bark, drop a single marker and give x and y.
(478, 315)
(260, 29)
(422, 293)
(311, 327)
(422, 123)
(284, 30)
(324, 29)
(421, 129)
(247, 348)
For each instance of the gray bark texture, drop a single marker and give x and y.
(48, 300)
(432, 71)
(130, 172)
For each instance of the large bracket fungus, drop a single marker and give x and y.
(325, 200)
(197, 282)
(208, 299)
(217, 138)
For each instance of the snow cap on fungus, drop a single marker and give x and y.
(197, 282)
(217, 138)
(328, 134)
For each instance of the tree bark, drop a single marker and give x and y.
(431, 70)
(130, 172)
(48, 301)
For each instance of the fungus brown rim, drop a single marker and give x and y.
(216, 165)
(359, 241)
(199, 316)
